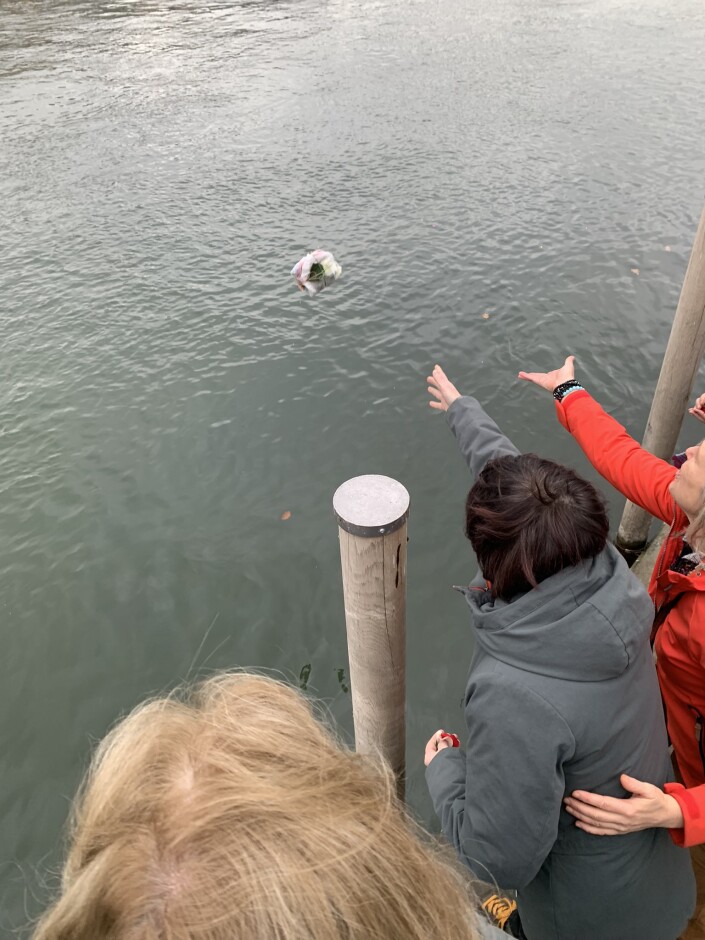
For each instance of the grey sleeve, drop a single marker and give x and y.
(478, 437)
(487, 931)
(499, 802)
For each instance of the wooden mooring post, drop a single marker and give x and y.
(372, 513)
(681, 361)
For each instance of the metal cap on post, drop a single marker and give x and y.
(372, 513)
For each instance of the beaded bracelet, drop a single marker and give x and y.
(565, 388)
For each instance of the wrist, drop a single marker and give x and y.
(672, 815)
(565, 388)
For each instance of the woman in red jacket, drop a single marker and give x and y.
(677, 589)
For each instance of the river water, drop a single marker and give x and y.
(502, 182)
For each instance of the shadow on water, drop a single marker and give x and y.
(305, 675)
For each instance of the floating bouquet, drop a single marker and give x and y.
(316, 270)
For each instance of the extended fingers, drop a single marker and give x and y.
(439, 405)
(602, 817)
(439, 378)
(441, 389)
(602, 812)
(596, 830)
(542, 379)
(593, 799)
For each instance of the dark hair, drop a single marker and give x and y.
(528, 518)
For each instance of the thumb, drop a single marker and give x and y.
(569, 363)
(634, 786)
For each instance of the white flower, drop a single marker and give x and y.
(326, 270)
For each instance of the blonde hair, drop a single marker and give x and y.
(695, 532)
(229, 812)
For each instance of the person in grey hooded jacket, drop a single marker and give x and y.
(561, 695)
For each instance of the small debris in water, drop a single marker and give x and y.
(635, 271)
(666, 247)
(304, 676)
(485, 316)
(341, 679)
(285, 515)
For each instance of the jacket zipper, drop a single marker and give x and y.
(662, 555)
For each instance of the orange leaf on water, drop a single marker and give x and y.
(285, 515)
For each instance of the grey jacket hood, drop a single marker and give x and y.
(586, 623)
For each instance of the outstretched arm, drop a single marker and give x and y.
(477, 435)
(636, 473)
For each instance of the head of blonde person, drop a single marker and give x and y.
(230, 812)
(688, 490)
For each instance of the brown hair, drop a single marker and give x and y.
(528, 518)
(229, 812)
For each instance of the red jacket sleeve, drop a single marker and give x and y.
(692, 803)
(637, 474)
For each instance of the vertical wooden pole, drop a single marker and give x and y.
(675, 385)
(372, 513)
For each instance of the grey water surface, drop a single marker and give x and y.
(167, 394)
